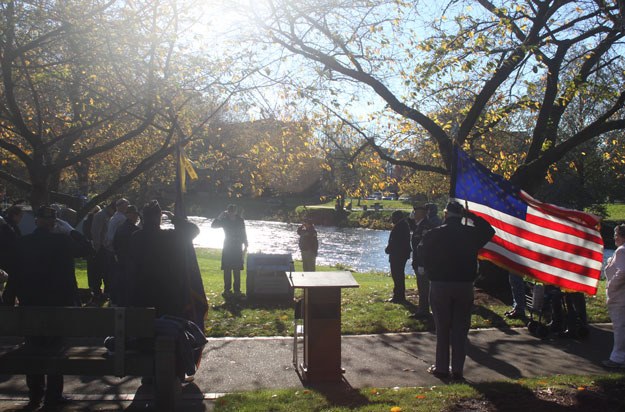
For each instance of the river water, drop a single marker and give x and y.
(361, 250)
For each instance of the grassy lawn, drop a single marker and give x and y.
(558, 393)
(616, 211)
(364, 309)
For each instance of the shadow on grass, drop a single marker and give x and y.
(605, 395)
(494, 319)
(236, 304)
(341, 394)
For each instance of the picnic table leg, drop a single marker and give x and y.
(167, 386)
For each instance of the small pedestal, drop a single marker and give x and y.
(322, 322)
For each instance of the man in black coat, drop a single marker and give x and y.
(398, 251)
(420, 223)
(47, 278)
(155, 264)
(121, 246)
(450, 261)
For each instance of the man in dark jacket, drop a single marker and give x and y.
(398, 251)
(450, 261)
(156, 263)
(420, 223)
(47, 278)
(235, 247)
(121, 246)
(308, 244)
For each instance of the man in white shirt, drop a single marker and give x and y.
(116, 221)
(98, 275)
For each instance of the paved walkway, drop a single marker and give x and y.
(390, 360)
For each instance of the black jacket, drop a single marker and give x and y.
(419, 229)
(450, 250)
(46, 269)
(399, 241)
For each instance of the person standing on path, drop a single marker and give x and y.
(308, 244)
(450, 261)
(615, 296)
(235, 246)
(398, 251)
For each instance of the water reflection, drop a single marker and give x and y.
(361, 250)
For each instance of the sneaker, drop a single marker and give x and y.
(612, 365)
(441, 375)
(515, 314)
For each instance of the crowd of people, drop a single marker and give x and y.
(131, 261)
(444, 259)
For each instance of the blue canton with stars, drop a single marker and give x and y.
(477, 184)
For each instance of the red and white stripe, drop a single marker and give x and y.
(554, 245)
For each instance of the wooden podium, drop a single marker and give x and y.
(322, 322)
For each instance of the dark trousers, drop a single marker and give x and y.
(423, 288)
(398, 273)
(451, 308)
(228, 275)
(40, 386)
(97, 272)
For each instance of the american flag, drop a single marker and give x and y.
(554, 245)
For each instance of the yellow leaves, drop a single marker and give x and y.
(396, 409)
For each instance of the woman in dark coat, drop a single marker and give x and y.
(235, 246)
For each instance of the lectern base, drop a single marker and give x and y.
(321, 375)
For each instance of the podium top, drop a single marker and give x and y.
(336, 279)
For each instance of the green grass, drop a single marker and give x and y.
(616, 211)
(364, 309)
(547, 393)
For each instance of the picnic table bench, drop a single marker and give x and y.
(89, 357)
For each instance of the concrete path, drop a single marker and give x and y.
(382, 361)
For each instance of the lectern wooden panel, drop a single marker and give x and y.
(322, 322)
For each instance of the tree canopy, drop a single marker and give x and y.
(520, 84)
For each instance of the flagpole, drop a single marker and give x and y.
(454, 165)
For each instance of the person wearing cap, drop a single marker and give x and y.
(47, 278)
(308, 244)
(121, 247)
(235, 246)
(420, 224)
(450, 261)
(398, 251)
